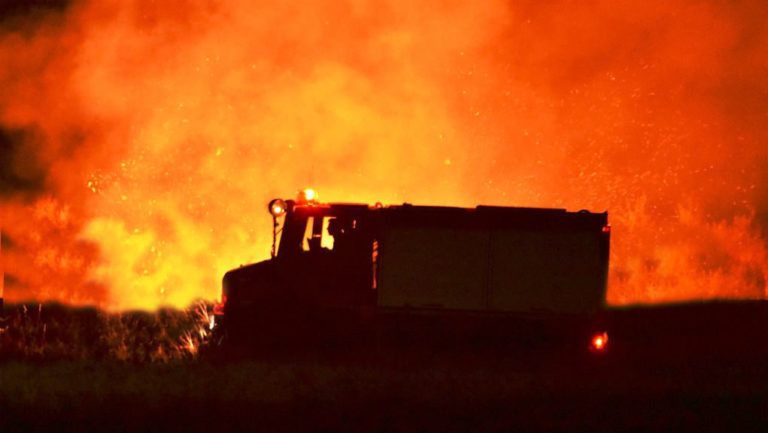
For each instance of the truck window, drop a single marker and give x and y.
(327, 240)
(316, 232)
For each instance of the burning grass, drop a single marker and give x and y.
(48, 332)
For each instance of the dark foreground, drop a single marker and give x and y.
(681, 380)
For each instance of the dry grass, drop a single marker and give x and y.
(49, 332)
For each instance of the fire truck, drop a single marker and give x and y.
(2, 276)
(430, 275)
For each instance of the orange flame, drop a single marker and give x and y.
(141, 139)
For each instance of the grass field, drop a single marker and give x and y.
(112, 386)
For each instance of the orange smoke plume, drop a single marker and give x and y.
(141, 139)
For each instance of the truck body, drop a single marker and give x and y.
(354, 272)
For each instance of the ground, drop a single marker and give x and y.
(396, 391)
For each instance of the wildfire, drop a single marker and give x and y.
(140, 140)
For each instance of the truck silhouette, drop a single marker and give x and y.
(342, 273)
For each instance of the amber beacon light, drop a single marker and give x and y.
(307, 195)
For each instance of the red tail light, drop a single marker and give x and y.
(599, 342)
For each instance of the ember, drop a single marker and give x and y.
(140, 139)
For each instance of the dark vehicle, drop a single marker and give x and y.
(2, 276)
(342, 273)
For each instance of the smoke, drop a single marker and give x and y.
(141, 140)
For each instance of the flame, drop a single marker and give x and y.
(141, 139)
(189, 345)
